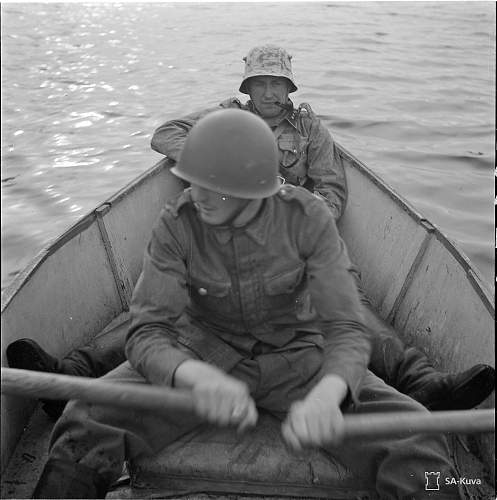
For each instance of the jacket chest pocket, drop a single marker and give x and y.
(293, 157)
(281, 289)
(208, 294)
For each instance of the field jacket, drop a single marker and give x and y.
(307, 151)
(213, 292)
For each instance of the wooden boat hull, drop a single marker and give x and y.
(414, 276)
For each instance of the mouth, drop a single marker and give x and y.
(283, 106)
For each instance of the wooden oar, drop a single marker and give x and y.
(132, 396)
(389, 424)
(163, 400)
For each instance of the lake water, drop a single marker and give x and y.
(408, 87)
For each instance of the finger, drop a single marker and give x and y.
(240, 409)
(289, 436)
(338, 429)
(225, 411)
(250, 417)
(316, 430)
(212, 407)
(200, 405)
(230, 410)
(299, 425)
(296, 427)
(329, 430)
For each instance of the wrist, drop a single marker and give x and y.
(333, 388)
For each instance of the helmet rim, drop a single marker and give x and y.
(230, 191)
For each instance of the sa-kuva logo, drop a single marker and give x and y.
(432, 481)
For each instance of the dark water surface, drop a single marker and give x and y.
(408, 87)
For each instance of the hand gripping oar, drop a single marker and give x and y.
(163, 400)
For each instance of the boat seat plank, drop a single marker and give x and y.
(213, 460)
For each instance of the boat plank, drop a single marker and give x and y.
(382, 239)
(129, 220)
(443, 314)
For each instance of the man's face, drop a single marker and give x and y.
(264, 91)
(214, 208)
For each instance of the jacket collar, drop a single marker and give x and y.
(256, 228)
(291, 116)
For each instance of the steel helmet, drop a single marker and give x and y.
(268, 60)
(231, 152)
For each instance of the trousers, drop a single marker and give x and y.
(406, 369)
(102, 438)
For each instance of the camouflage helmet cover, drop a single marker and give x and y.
(268, 60)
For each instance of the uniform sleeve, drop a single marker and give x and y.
(159, 298)
(335, 297)
(170, 137)
(325, 168)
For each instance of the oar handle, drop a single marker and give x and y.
(163, 400)
(65, 387)
(389, 424)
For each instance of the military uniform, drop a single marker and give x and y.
(246, 289)
(237, 297)
(308, 159)
(307, 151)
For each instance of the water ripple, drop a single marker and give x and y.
(408, 87)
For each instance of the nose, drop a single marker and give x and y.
(199, 194)
(268, 92)
(204, 196)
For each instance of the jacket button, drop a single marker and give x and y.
(202, 291)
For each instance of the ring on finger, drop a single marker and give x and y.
(236, 411)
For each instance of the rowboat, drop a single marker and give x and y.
(79, 289)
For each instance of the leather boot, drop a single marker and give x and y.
(410, 372)
(61, 479)
(26, 354)
(461, 391)
(93, 360)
